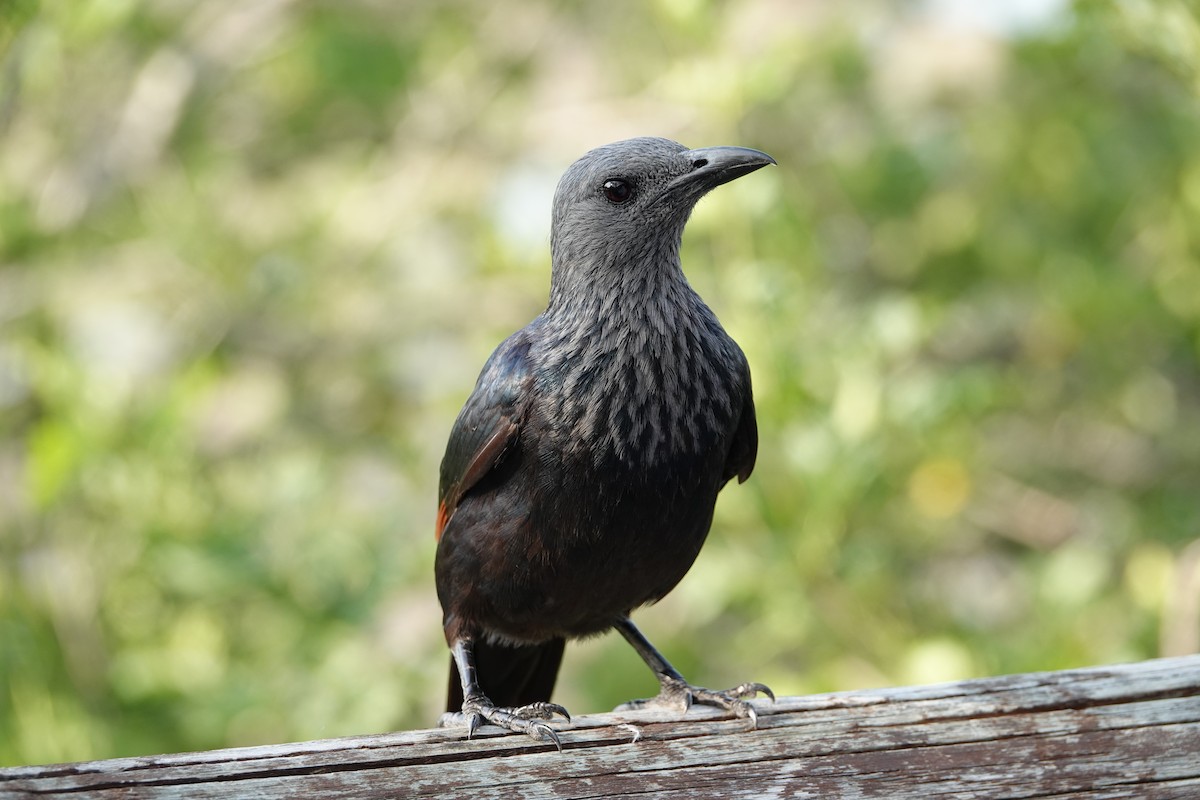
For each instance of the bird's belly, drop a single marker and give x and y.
(583, 555)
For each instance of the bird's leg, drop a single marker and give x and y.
(676, 693)
(477, 708)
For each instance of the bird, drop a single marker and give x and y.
(580, 477)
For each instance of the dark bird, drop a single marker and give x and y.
(581, 475)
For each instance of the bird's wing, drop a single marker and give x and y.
(487, 425)
(744, 449)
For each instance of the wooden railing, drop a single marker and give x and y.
(1104, 732)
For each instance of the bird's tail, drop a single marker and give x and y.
(511, 675)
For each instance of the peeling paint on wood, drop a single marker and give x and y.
(1129, 731)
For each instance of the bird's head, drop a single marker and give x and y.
(627, 198)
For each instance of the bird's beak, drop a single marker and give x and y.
(712, 166)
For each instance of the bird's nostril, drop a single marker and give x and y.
(699, 162)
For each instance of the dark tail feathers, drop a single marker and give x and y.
(511, 676)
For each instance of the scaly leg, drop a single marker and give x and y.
(477, 708)
(676, 693)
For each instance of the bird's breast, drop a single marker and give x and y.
(644, 404)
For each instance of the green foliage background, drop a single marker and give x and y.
(252, 256)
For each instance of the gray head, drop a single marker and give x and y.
(633, 360)
(626, 202)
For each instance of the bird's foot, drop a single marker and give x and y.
(679, 695)
(529, 719)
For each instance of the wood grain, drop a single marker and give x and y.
(1128, 731)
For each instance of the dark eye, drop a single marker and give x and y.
(617, 191)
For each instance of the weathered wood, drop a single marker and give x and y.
(1130, 731)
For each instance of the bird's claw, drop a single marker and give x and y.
(523, 719)
(541, 710)
(543, 732)
(750, 690)
(678, 695)
(734, 699)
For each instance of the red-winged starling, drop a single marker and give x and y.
(581, 475)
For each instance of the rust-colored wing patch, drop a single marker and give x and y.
(481, 463)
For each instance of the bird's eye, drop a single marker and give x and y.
(616, 191)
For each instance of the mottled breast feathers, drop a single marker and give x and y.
(631, 409)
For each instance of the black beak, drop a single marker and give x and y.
(712, 166)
